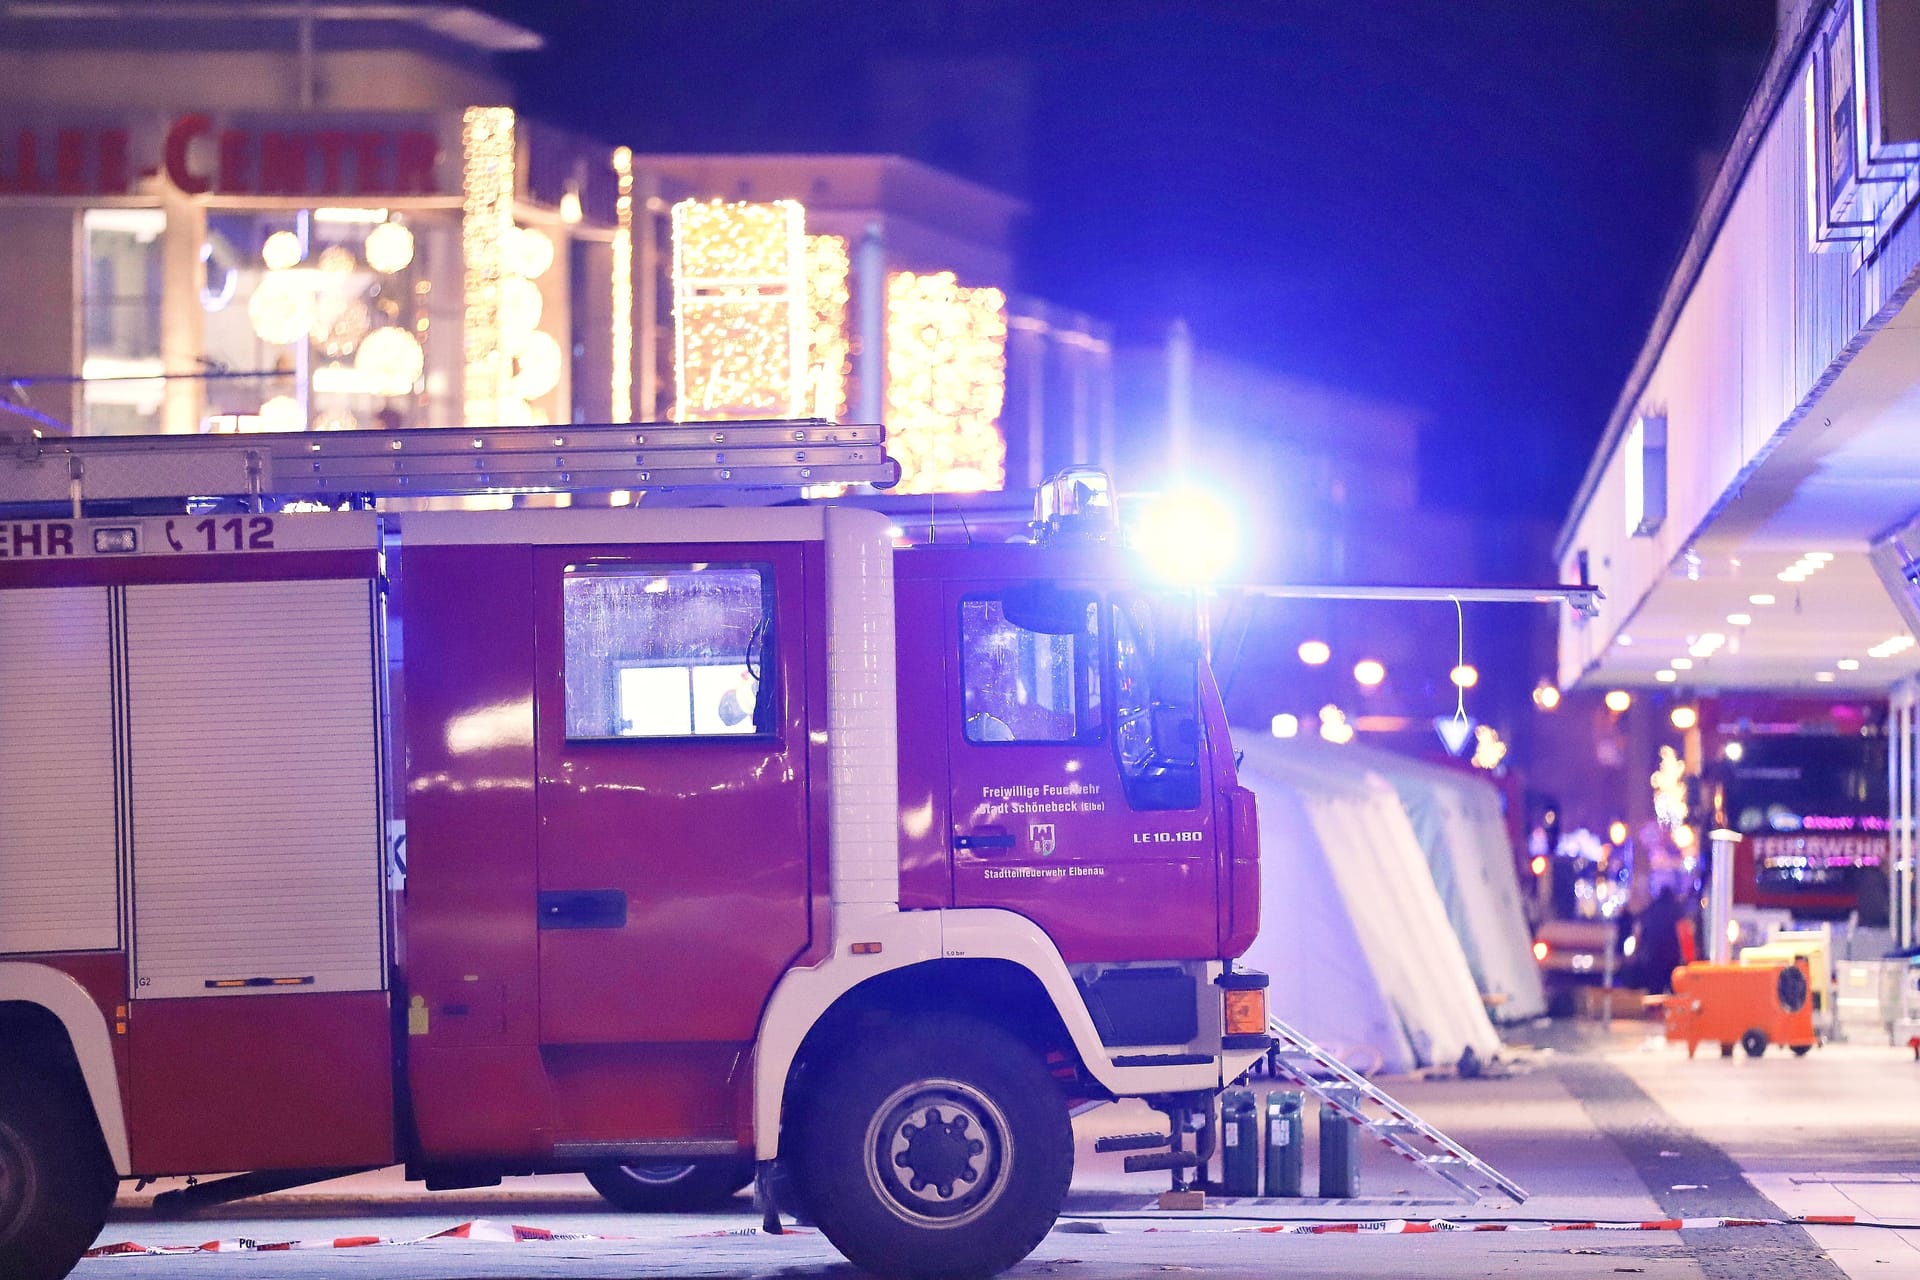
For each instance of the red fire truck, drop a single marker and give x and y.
(611, 840)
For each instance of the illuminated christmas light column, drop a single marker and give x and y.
(622, 409)
(946, 383)
(828, 270)
(742, 318)
(486, 225)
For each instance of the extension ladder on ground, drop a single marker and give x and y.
(1358, 1101)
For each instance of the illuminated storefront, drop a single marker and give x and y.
(194, 254)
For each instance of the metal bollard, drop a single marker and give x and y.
(1339, 1155)
(1239, 1143)
(1286, 1137)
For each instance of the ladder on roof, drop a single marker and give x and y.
(423, 462)
(1358, 1101)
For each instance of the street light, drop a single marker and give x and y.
(1369, 672)
(1618, 700)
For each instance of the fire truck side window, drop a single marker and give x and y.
(1032, 667)
(670, 652)
(1155, 703)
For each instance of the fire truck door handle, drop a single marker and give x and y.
(996, 840)
(584, 909)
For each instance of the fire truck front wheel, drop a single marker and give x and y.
(56, 1181)
(940, 1150)
(671, 1188)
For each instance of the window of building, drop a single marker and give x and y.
(120, 318)
(329, 319)
(1032, 662)
(668, 652)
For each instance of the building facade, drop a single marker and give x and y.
(330, 216)
(1750, 512)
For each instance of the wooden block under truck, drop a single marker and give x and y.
(677, 846)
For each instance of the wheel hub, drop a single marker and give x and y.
(939, 1152)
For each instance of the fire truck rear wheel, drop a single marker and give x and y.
(56, 1180)
(938, 1151)
(671, 1188)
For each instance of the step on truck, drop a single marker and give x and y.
(674, 846)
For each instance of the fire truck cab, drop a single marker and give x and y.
(617, 840)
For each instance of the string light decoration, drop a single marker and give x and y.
(340, 325)
(1489, 750)
(281, 309)
(829, 269)
(520, 310)
(529, 252)
(487, 181)
(740, 309)
(281, 250)
(391, 362)
(537, 367)
(622, 387)
(282, 413)
(1669, 783)
(389, 248)
(1334, 725)
(946, 383)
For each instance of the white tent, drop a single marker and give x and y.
(1352, 929)
(1458, 820)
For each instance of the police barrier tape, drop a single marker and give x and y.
(1438, 1226)
(485, 1231)
(482, 1231)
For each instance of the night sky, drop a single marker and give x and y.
(1466, 206)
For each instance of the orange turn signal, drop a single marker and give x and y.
(1246, 1013)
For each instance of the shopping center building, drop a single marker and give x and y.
(327, 216)
(1750, 514)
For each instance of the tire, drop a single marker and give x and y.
(1754, 1042)
(1801, 1050)
(1726, 1050)
(56, 1180)
(671, 1188)
(939, 1151)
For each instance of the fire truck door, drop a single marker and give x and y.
(1042, 823)
(672, 763)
